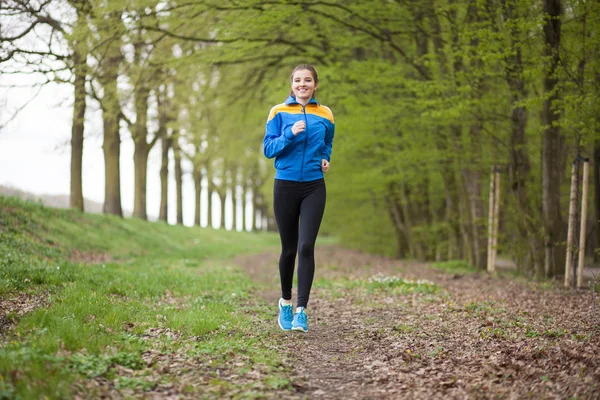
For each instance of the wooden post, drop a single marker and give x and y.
(490, 267)
(496, 219)
(571, 227)
(584, 195)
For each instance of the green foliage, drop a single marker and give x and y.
(392, 284)
(455, 267)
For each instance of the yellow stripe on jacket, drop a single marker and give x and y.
(318, 110)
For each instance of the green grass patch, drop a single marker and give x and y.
(455, 267)
(152, 285)
(376, 283)
(397, 284)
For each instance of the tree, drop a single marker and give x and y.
(552, 168)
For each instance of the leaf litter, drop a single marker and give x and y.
(479, 337)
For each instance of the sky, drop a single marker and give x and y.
(35, 153)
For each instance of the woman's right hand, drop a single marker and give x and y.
(298, 127)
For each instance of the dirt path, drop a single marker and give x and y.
(476, 337)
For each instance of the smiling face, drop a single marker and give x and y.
(303, 85)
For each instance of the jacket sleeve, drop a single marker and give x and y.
(329, 141)
(275, 140)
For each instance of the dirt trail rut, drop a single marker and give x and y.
(477, 337)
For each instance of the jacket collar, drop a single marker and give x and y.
(292, 100)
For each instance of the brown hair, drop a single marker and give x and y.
(301, 67)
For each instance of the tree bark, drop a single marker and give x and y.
(141, 146)
(520, 166)
(476, 201)
(254, 191)
(164, 179)
(209, 189)
(140, 163)
(197, 175)
(178, 177)
(474, 168)
(234, 200)
(244, 190)
(112, 139)
(111, 111)
(77, 130)
(222, 196)
(397, 218)
(552, 151)
(446, 165)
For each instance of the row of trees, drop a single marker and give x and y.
(427, 95)
(149, 85)
(507, 83)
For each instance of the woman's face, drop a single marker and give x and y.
(303, 84)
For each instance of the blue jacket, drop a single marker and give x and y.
(298, 158)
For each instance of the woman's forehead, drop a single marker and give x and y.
(302, 73)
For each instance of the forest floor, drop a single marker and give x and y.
(384, 328)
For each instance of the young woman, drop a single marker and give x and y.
(299, 135)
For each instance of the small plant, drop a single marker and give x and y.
(93, 365)
(455, 267)
(479, 309)
(134, 383)
(531, 333)
(553, 333)
(397, 284)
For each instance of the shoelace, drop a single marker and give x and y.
(287, 312)
(302, 318)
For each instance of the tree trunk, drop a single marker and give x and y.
(552, 151)
(465, 218)
(77, 132)
(111, 147)
(222, 196)
(140, 156)
(164, 179)
(209, 189)
(254, 206)
(455, 247)
(243, 190)
(178, 177)
(234, 213)
(197, 175)
(397, 218)
(140, 163)
(111, 111)
(450, 193)
(519, 169)
(234, 199)
(476, 202)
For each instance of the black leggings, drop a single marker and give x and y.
(299, 210)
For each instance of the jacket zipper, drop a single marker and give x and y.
(305, 142)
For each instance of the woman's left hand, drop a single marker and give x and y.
(324, 165)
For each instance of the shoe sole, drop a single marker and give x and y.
(299, 329)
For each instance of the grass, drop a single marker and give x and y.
(156, 287)
(376, 283)
(455, 267)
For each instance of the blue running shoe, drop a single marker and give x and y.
(285, 316)
(300, 322)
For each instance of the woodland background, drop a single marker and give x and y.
(428, 97)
